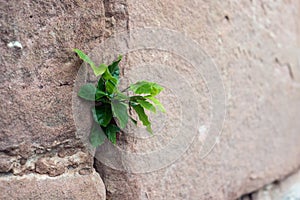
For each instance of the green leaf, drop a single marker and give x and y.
(157, 103)
(121, 96)
(111, 83)
(114, 68)
(111, 132)
(147, 105)
(145, 87)
(119, 110)
(142, 116)
(97, 135)
(87, 92)
(111, 86)
(101, 84)
(99, 70)
(102, 114)
(84, 57)
(107, 75)
(141, 87)
(103, 100)
(99, 94)
(135, 98)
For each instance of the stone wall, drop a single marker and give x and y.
(38, 68)
(254, 46)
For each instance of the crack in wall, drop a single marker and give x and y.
(52, 161)
(274, 184)
(116, 20)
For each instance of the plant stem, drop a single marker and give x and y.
(125, 89)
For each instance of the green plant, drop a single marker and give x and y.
(111, 111)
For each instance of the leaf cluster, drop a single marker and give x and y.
(111, 112)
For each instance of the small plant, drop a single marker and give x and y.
(111, 112)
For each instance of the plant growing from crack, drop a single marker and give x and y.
(111, 112)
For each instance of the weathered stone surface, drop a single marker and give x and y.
(6, 163)
(38, 68)
(66, 186)
(286, 189)
(251, 42)
(248, 41)
(37, 73)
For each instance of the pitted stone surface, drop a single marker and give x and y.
(37, 79)
(38, 68)
(286, 189)
(66, 186)
(248, 41)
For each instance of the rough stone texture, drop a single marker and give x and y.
(37, 79)
(38, 69)
(253, 43)
(286, 189)
(67, 186)
(255, 47)
(37, 72)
